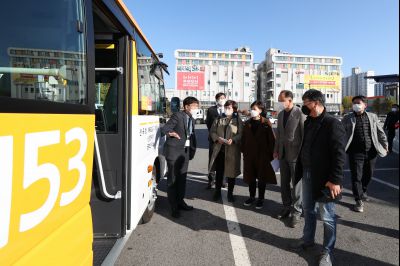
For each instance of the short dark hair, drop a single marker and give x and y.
(233, 103)
(359, 97)
(189, 100)
(259, 104)
(287, 94)
(314, 95)
(219, 94)
(395, 105)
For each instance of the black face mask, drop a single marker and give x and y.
(305, 110)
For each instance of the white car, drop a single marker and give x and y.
(273, 120)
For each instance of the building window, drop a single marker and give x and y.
(214, 73)
(246, 84)
(278, 75)
(236, 94)
(247, 74)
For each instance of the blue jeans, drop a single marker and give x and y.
(326, 211)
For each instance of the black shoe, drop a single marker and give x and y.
(259, 204)
(176, 214)
(300, 245)
(217, 196)
(294, 220)
(223, 185)
(249, 202)
(283, 214)
(231, 198)
(185, 207)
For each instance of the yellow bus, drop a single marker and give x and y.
(81, 104)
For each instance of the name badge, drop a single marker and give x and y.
(187, 143)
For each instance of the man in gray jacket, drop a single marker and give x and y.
(365, 140)
(289, 136)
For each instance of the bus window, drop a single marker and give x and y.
(106, 101)
(44, 50)
(151, 88)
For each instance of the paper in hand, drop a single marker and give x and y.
(275, 165)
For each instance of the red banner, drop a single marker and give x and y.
(190, 81)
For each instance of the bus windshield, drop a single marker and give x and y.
(43, 51)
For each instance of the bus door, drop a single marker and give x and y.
(108, 196)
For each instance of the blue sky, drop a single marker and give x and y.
(364, 33)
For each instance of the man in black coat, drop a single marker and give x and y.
(390, 125)
(212, 113)
(179, 148)
(320, 168)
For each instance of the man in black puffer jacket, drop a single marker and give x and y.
(320, 169)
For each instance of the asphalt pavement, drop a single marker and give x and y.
(220, 233)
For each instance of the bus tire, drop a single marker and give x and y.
(148, 213)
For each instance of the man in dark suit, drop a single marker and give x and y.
(212, 113)
(320, 167)
(289, 135)
(179, 148)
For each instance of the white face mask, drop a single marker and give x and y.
(394, 109)
(280, 106)
(254, 113)
(228, 112)
(357, 107)
(221, 102)
(193, 112)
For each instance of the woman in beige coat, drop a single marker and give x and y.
(226, 133)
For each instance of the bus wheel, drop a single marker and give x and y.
(148, 213)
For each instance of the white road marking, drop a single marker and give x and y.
(239, 249)
(385, 183)
(240, 254)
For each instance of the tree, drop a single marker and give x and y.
(376, 106)
(387, 105)
(346, 103)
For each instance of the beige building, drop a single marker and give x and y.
(204, 73)
(298, 73)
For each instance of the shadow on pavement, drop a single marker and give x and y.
(199, 219)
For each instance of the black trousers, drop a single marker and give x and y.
(261, 189)
(219, 169)
(391, 134)
(210, 152)
(362, 166)
(219, 176)
(176, 179)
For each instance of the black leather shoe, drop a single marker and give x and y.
(300, 245)
(185, 207)
(294, 220)
(176, 214)
(217, 196)
(231, 198)
(283, 214)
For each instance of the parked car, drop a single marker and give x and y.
(200, 117)
(272, 120)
